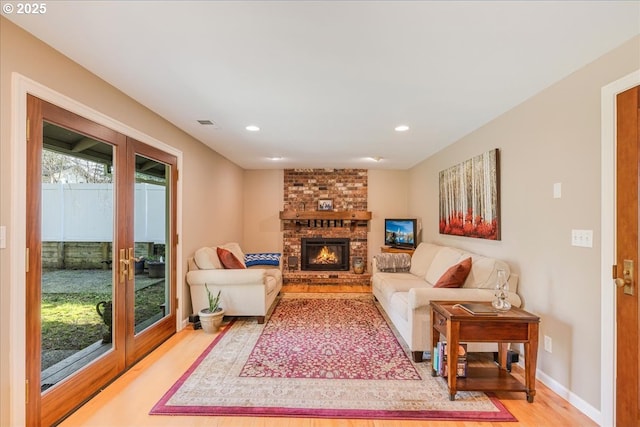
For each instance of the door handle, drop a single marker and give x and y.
(126, 262)
(131, 264)
(626, 280)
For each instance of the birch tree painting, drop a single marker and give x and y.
(469, 198)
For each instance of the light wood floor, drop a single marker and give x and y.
(128, 400)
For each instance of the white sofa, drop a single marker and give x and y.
(248, 291)
(405, 296)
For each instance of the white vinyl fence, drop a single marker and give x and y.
(85, 213)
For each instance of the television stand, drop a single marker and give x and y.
(392, 250)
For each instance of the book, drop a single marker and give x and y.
(461, 369)
(477, 309)
(439, 360)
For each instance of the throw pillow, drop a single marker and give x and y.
(235, 249)
(455, 276)
(262, 258)
(228, 259)
(207, 259)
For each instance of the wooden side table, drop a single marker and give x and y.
(513, 326)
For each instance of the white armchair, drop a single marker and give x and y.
(250, 289)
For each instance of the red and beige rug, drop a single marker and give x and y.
(324, 356)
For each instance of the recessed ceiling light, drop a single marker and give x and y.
(376, 158)
(402, 128)
(252, 128)
(275, 158)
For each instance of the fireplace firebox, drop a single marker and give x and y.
(324, 254)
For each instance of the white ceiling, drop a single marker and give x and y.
(327, 82)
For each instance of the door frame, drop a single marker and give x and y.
(20, 87)
(608, 245)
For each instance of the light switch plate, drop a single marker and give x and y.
(557, 190)
(3, 236)
(582, 238)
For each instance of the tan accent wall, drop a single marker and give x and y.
(212, 185)
(263, 195)
(388, 198)
(553, 137)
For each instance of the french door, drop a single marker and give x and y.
(101, 288)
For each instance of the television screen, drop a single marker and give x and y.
(400, 233)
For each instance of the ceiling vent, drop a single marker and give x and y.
(207, 123)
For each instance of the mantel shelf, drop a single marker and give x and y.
(326, 218)
(325, 215)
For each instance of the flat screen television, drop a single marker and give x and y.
(400, 232)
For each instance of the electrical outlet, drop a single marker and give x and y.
(548, 344)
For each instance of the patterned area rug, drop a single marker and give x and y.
(328, 338)
(324, 356)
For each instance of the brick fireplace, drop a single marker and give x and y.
(302, 219)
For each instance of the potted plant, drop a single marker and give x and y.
(211, 316)
(156, 267)
(139, 264)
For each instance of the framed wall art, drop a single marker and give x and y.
(325, 204)
(470, 198)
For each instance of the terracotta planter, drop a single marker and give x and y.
(210, 322)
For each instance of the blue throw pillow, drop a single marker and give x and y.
(265, 258)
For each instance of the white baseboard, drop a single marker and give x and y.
(563, 392)
(183, 324)
(570, 397)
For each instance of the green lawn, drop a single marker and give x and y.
(70, 321)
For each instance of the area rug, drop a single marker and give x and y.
(319, 356)
(328, 338)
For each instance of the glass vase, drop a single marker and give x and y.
(501, 302)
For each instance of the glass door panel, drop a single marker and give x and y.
(77, 252)
(151, 208)
(151, 294)
(74, 340)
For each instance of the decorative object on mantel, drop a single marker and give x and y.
(470, 198)
(325, 204)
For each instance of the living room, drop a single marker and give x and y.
(553, 137)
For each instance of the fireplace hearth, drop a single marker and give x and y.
(324, 254)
